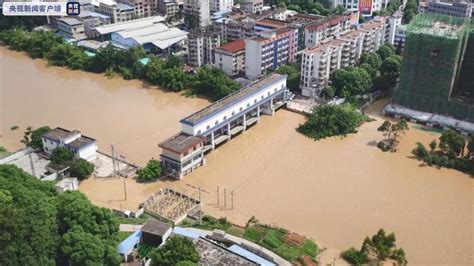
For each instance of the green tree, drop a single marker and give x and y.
(174, 61)
(420, 151)
(175, 250)
(372, 59)
(332, 120)
(81, 168)
(433, 145)
(350, 81)
(390, 69)
(150, 172)
(386, 50)
(153, 71)
(470, 147)
(293, 73)
(393, 131)
(32, 137)
(370, 70)
(213, 83)
(81, 248)
(174, 79)
(354, 256)
(452, 143)
(62, 156)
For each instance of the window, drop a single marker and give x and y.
(217, 122)
(255, 101)
(248, 104)
(225, 117)
(240, 109)
(208, 126)
(233, 112)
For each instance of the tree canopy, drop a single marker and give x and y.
(32, 137)
(332, 120)
(452, 143)
(150, 172)
(62, 155)
(175, 250)
(350, 81)
(81, 168)
(40, 227)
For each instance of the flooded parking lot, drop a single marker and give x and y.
(335, 190)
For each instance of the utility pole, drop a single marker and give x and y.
(113, 158)
(232, 200)
(124, 187)
(200, 207)
(225, 198)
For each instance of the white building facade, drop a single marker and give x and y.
(326, 29)
(200, 10)
(230, 58)
(251, 6)
(82, 146)
(220, 5)
(457, 8)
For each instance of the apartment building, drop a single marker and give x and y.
(220, 5)
(71, 28)
(269, 51)
(143, 8)
(92, 20)
(320, 61)
(118, 12)
(201, 47)
(168, 8)
(251, 6)
(325, 29)
(231, 29)
(457, 8)
(230, 58)
(200, 10)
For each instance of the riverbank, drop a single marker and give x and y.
(336, 191)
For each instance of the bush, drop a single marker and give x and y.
(420, 151)
(175, 250)
(62, 156)
(150, 172)
(81, 169)
(254, 234)
(383, 145)
(354, 256)
(332, 120)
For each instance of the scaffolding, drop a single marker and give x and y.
(434, 49)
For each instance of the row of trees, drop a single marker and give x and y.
(308, 6)
(332, 120)
(410, 11)
(378, 248)
(392, 6)
(208, 81)
(380, 70)
(177, 251)
(40, 227)
(63, 157)
(151, 171)
(452, 151)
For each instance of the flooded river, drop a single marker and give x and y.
(336, 191)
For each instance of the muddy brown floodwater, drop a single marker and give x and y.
(336, 191)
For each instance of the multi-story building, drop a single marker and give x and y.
(457, 8)
(230, 58)
(201, 47)
(325, 29)
(344, 50)
(168, 8)
(118, 12)
(199, 9)
(82, 146)
(234, 29)
(92, 20)
(269, 51)
(220, 5)
(71, 28)
(143, 8)
(251, 6)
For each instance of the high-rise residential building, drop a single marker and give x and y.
(199, 9)
(168, 8)
(143, 8)
(118, 12)
(230, 58)
(269, 51)
(325, 29)
(343, 50)
(251, 6)
(201, 47)
(438, 66)
(220, 5)
(456, 8)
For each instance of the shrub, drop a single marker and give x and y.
(14, 127)
(62, 156)
(81, 168)
(354, 256)
(383, 145)
(150, 172)
(420, 151)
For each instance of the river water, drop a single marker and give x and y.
(336, 191)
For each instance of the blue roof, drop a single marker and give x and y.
(126, 246)
(249, 255)
(188, 233)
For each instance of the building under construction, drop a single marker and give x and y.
(437, 73)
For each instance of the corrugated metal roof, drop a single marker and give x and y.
(132, 24)
(126, 246)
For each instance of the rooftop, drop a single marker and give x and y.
(233, 47)
(59, 134)
(232, 98)
(181, 143)
(213, 254)
(81, 142)
(274, 23)
(158, 34)
(70, 21)
(438, 25)
(156, 227)
(132, 24)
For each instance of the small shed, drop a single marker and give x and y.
(155, 233)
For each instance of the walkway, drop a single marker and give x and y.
(130, 227)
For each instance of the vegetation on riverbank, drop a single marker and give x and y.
(332, 120)
(41, 227)
(176, 251)
(273, 238)
(170, 74)
(392, 133)
(376, 249)
(379, 70)
(2, 149)
(453, 151)
(150, 172)
(32, 137)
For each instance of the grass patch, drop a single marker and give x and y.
(273, 239)
(288, 252)
(310, 248)
(15, 127)
(126, 220)
(254, 234)
(123, 235)
(2, 149)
